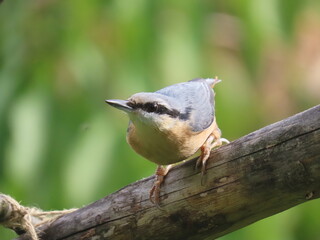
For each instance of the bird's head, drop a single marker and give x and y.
(153, 109)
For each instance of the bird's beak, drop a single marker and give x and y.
(120, 104)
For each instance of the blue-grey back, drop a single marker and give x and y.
(195, 100)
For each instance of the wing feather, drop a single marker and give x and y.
(194, 100)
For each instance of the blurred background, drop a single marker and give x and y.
(61, 146)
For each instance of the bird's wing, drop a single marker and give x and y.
(194, 100)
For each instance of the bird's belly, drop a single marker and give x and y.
(167, 147)
(160, 149)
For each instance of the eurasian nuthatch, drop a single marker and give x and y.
(170, 125)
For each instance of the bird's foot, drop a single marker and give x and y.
(213, 141)
(154, 194)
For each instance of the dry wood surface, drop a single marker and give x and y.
(256, 176)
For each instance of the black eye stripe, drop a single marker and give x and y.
(160, 109)
(148, 107)
(151, 107)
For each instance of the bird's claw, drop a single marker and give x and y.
(154, 194)
(224, 140)
(213, 141)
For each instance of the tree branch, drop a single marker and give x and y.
(256, 176)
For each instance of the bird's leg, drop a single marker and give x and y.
(205, 152)
(161, 172)
(214, 140)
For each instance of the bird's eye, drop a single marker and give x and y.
(151, 107)
(131, 104)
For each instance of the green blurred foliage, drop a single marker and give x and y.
(62, 147)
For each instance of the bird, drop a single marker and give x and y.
(170, 125)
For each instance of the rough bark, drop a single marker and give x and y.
(256, 176)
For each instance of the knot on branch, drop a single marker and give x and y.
(25, 219)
